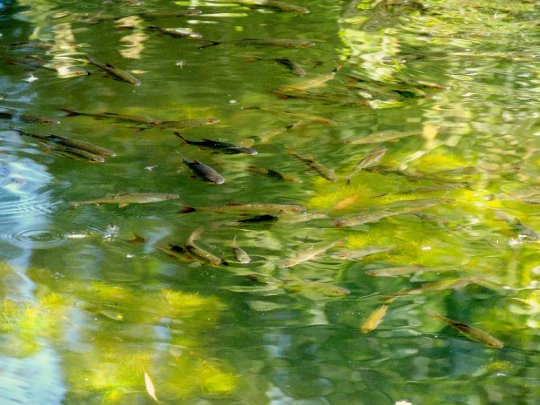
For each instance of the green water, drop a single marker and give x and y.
(93, 312)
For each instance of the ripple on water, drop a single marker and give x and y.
(35, 238)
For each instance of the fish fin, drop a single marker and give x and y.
(136, 239)
(70, 113)
(123, 205)
(348, 180)
(74, 204)
(184, 209)
(179, 135)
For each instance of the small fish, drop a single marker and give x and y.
(145, 122)
(240, 254)
(150, 389)
(115, 72)
(77, 154)
(276, 4)
(222, 146)
(258, 219)
(176, 251)
(369, 160)
(302, 116)
(374, 319)
(378, 137)
(294, 67)
(308, 254)
(317, 82)
(523, 231)
(323, 171)
(177, 32)
(125, 199)
(359, 253)
(297, 285)
(279, 42)
(69, 143)
(199, 252)
(472, 333)
(149, 15)
(26, 118)
(204, 172)
(249, 208)
(398, 271)
(136, 238)
(455, 283)
(389, 210)
(275, 174)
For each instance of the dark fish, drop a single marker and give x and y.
(294, 67)
(26, 117)
(222, 146)
(204, 172)
(259, 218)
(275, 4)
(115, 72)
(149, 15)
(250, 208)
(472, 333)
(201, 253)
(279, 42)
(323, 171)
(370, 159)
(176, 251)
(69, 143)
(274, 174)
(144, 121)
(177, 32)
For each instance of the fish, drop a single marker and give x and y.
(389, 210)
(274, 174)
(398, 271)
(78, 154)
(275, 4)
(222, 146)
(308, 84)
(302, 116)
(115, 72)
(177, 32)
(472, 332)
(26, 117)
(176, 251)
(125, 199)
(374, 319)
(379, 137)
(71, 144)
(149, 15)
(359, 253)
(294, 67)
(370, 159)
(142, 120)
(308, 254)
(204, 172)
(249, 208)
(455, 283)
(201, 253)
(523, 231)
(240, 254)
(297, 285)
(258, 219)
(323, 171)
(278, 42)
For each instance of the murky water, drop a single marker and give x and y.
(429, 109)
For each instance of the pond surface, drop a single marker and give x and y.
(390, 212)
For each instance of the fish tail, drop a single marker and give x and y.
(70, 113)
(348, 180)
(185, 209)
(179, 135)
